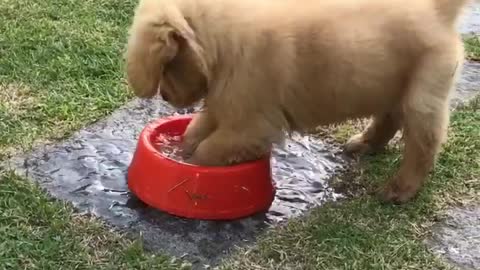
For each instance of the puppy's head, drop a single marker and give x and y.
(163, 54)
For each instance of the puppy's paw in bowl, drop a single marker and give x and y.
(187, 149)
(195, 159)
(203, 156)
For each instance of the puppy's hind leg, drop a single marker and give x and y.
(376, 136)
(425, 117)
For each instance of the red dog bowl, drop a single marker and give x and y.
(212, 193)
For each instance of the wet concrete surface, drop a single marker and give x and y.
(470, 23)
(457, 238)
(89, 170)
(468, 85)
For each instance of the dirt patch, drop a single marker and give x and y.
(16, 99)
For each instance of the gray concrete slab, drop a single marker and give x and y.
(457, 238)
(470, 22)
(468, 86)
(89, 170)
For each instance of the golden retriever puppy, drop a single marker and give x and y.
(268, 67)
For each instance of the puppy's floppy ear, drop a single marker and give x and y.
(149, 48)
(158, 32)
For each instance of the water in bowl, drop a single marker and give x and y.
(169, 146)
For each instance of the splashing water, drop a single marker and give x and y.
(169, 146)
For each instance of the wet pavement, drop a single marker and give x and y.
(457, 238)
(89, 171)
(468, 85)
(470, 23)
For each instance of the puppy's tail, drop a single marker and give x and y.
(450, 10)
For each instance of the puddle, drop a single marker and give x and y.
(89, 170)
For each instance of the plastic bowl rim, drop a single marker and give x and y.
(145, 136)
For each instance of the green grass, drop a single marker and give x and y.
(39, 233)
(362, 233)
(472, 47)
(68, 54)
(61, 68)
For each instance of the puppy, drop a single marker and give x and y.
(270, 66)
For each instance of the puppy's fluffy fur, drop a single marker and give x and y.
(265, 67)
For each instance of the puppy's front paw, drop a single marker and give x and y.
(197, 130)
(189, 144)
(187, 149)
(196, 159)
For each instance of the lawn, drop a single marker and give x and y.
(61, 69)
